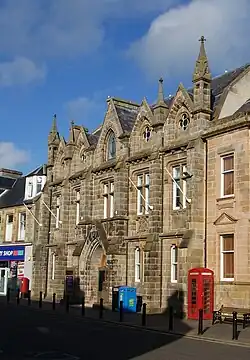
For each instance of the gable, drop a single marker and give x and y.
(225, 219)
(236, 95)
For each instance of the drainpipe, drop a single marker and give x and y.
(206, 196)
(48, 241)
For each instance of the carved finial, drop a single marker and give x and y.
(201, 68)
(160, 98)
(202, 39)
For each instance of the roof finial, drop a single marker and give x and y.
(201, 68)
(160, 98)
(202, 39)
(54, 125)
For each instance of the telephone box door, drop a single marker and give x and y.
(207, 288)
(193, 297)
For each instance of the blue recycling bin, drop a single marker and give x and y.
(128, 296)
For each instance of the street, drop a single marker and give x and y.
(29, 333)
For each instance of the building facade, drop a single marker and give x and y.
(16, 223)
(155, 191)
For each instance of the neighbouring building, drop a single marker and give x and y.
(155, 191)
(16, 223)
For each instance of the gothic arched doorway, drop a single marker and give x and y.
(93, 270)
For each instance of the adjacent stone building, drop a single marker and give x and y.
(17, 223)
(155, 191)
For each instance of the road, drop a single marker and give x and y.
(28, 333)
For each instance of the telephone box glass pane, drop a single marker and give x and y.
(206, 292)
(194, 295)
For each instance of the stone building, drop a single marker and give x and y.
(155, 191)
(16, 223)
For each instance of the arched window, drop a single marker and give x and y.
(111, 146)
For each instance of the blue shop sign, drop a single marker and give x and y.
(9, 253)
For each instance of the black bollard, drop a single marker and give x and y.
(29, 297)
(101, 309)
(200, 323)
(40, 300)
(67, 304)
(144, 314)
(83, 306)
(121, 311)
(171, 319)
(235, 332)
(54, 302)
(8, 295)
(18, 296)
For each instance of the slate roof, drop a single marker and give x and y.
(14, 196)
(218, 85)
(128, 115)
(6, 183)
(37, 172)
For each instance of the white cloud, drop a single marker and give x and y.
(170, 46)
(44, 28)
(20, 71)
(11, 156)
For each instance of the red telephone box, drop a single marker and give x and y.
(200, 293)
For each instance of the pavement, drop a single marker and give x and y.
(32, 333)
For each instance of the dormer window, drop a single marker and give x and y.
(30, 188)
(39, 184)
(111, 146)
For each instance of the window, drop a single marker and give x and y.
(21, 226)
(30, 188)
(137, 265)
(179, 187)
(227, 257)
(147, 134)
(227, 175)
(57, 212)
(184, 121)
(9, 228)
(39, 184)
(174, 263)
(143, 194)
(53, 265)
(77, 207)
(108, 197)
(111, 146)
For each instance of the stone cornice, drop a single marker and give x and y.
(226, 125)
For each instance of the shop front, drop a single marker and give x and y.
(15, 263)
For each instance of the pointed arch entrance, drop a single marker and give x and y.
(93, 265)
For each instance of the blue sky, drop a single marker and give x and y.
(67, 57)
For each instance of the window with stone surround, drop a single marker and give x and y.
(174, 263)
(227, 175)
(227, 257)
(138, 264)
(53, 264)
(143, 194)
(179, 187)
(58, 208)
(111, 146)
(9, 228)
(21, 226)
(108, 199)
(77, 207)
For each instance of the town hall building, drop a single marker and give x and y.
(155, 191)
